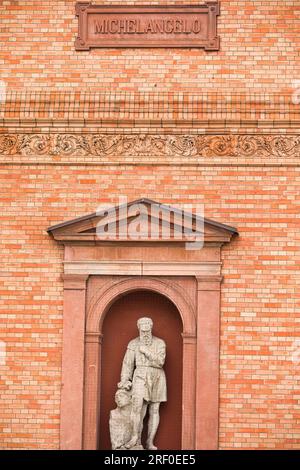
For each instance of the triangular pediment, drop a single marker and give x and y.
(142, 220)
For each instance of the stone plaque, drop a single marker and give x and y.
(147, 26)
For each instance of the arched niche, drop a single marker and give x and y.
(119, 327)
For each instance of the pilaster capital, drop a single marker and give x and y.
(75, 281)
(189, 338)
(93, 337)
(209, 283)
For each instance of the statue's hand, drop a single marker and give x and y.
(125, 385)
(144, 350)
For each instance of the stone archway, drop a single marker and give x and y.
(113, 288)
(102, 299)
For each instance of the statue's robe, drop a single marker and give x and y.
(146, 373)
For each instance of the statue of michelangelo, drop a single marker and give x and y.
(142, 373)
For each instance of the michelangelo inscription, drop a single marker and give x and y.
(137, 26)
(147, 26)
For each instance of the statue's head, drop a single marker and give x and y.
(145, 325)
(122, 398)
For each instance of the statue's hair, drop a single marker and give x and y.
(144, 320)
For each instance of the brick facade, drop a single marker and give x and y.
(257, 51)
(242, 164)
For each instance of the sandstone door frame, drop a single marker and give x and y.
(199, 308)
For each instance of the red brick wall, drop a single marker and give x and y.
(259, 404)
(258, 395)
(257, 51)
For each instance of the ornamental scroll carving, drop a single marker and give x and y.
(105, 145)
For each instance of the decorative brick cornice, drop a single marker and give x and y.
(123, 145)
(162, 106)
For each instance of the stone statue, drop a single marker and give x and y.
(119, 421)
(120, 424)
(143, 375)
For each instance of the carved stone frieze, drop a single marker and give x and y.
(105, 145)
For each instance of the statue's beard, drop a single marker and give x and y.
(147, 340)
